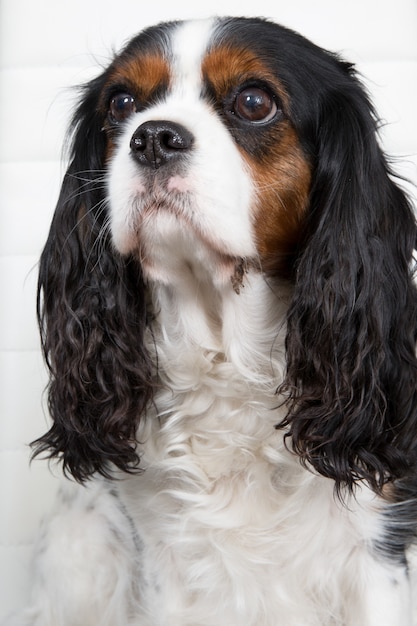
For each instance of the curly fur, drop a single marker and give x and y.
(247, 375)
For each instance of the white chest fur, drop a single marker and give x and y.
(225, 526)
(234, 530)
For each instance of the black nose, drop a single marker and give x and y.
(156, 142)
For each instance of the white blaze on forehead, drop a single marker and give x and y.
(189, 45)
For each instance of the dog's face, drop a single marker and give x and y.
(205, 165)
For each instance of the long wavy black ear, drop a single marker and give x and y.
(352, 324)
(92, 317)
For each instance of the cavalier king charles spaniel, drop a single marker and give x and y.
(228, 315)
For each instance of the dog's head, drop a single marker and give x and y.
(204, 150)
(205, 145)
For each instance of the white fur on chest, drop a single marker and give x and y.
(224, 527)
(234, 529)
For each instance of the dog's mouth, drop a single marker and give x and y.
(170, 232)
(171, 236)
(173, 194)
(176, 221)
(142, 202)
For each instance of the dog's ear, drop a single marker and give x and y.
(92, 316)
(352, 324)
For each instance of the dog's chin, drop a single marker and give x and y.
(173, 244)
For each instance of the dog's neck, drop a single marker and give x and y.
(240, 321)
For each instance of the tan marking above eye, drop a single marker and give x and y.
(142, 76)
(228, 67)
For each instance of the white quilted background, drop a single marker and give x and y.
(48, 46)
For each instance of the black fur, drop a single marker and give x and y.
(352, 322)
(92, 316)
(351, 376)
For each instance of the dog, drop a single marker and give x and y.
(228, 315)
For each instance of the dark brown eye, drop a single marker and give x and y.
(121, 106)
(255, 105)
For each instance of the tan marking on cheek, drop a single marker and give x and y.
(282, 180)
(279, 169)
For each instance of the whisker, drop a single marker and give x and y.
(97, 210)
(103, 234)
(89, 185)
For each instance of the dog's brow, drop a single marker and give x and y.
(145, 74)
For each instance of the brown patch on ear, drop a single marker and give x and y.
(388, 492)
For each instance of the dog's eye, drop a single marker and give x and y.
(255, 105)
(121, 106)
